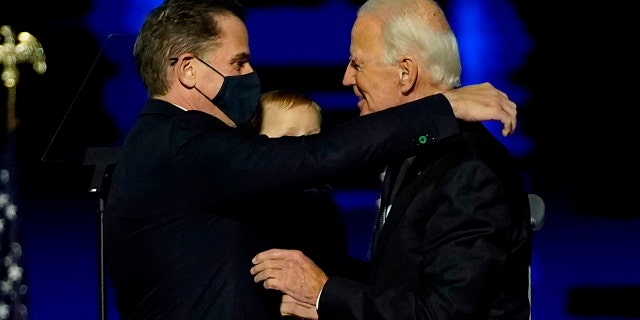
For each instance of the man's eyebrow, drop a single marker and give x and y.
(244, 56)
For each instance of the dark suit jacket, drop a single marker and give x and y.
(311, 222)
(181, 224)
(456, 243)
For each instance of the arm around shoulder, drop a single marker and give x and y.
(483, 102)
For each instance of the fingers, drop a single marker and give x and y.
(273, 259)
(505, 109)
(270, 255)
(268, 271)
(277, 268)
(508, 128)
(508, 124)
(510, 109)
(292, 307)
(483, 102)
(290, 272)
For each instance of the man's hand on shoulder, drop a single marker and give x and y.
(482, 102)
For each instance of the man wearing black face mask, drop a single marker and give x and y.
(179, 229)
(238, 95)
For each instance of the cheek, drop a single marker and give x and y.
(378, 88)
(216, 84)
(210, 86)
(374, 81)
(379, 96)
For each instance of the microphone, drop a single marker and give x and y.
(536, 204)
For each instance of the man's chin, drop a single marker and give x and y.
(364, 109)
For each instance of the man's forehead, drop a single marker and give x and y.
(232, 31)
(232, 45)
(366, 36)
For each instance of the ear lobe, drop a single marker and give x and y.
(185, 72)
(408, 74)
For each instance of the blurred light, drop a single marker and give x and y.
(493, 44)
(301, 35)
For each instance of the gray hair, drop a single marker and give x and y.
(418, 28)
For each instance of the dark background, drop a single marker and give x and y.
(578, 111)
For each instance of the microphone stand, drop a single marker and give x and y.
(104, 160)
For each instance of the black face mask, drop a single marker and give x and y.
(238, 97)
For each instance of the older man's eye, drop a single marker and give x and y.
(354, 65)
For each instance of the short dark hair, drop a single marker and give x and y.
(176, 27)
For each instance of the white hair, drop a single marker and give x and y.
(409, 27)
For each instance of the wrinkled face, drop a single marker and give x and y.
(376, 84)
(298, 121)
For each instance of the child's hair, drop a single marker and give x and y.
(284, 99)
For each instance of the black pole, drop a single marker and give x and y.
(104, 160)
